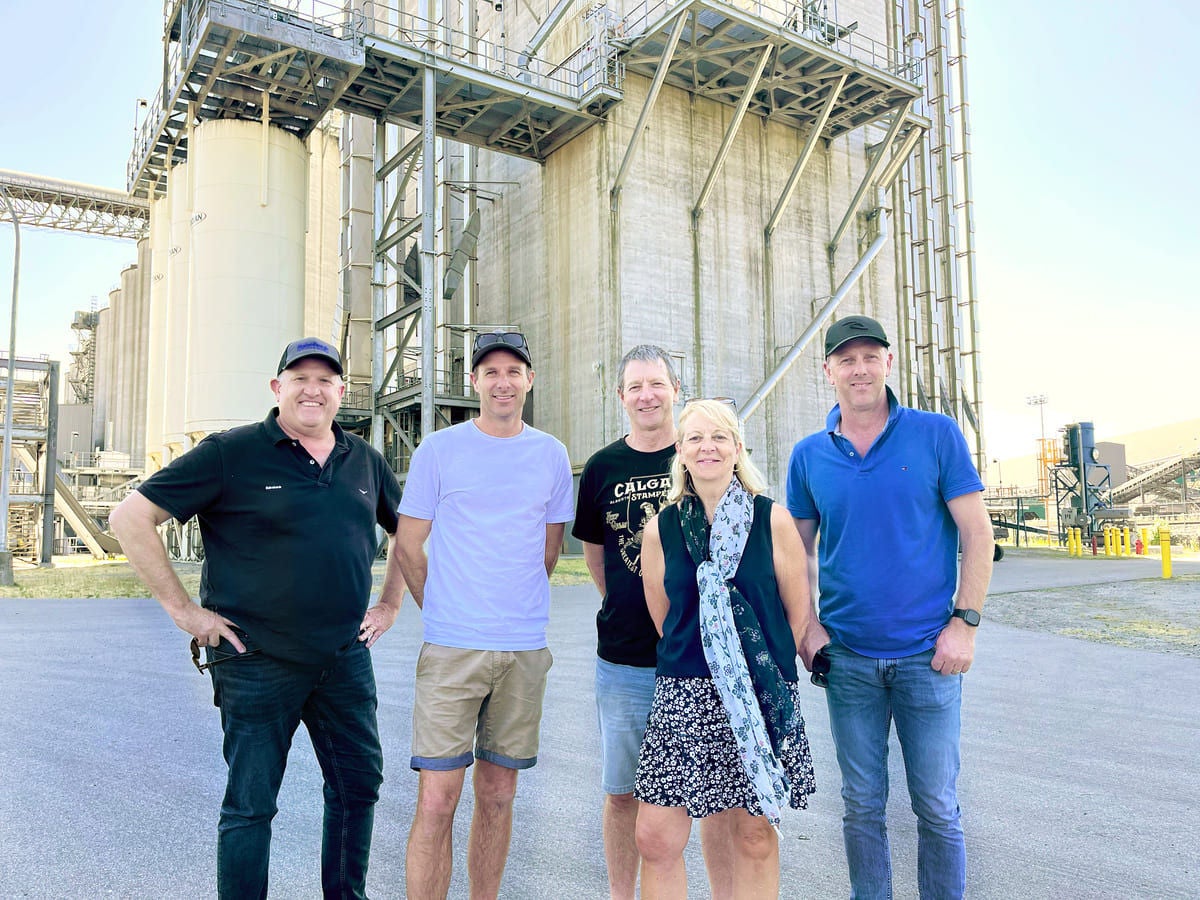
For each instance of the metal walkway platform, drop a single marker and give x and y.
(241, 58)
(721, 43)
(232, 58)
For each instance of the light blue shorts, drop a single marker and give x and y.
(624, 695)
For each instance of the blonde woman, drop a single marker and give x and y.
(727, 587)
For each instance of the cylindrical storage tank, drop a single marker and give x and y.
(125, 372)
(156, 342)
(141, 347)
(324, 233)
(175, 338)
(249, 201)
(100, 375)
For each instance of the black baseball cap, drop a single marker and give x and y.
(306, 347)
(852, 327)
(512, 341)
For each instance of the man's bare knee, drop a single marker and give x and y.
(622, 804)
(438, 794)
(493, 784)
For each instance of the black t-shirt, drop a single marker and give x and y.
(619, 490)
(288, 544)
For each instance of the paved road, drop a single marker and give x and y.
(1079, 765)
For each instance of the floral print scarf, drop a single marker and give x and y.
(753, 691)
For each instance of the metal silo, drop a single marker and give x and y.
(249, 211)
(175, 326)
(156, 344)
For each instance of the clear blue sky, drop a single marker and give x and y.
(1084, 133)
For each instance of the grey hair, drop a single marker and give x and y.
(646, 353)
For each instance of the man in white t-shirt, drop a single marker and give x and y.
(492, 496)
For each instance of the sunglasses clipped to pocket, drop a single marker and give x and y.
(215, 657)
(821, 664)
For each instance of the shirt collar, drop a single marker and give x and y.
(278, 435)
(833, 420)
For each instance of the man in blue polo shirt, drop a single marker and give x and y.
(891, 492)
(288, 509)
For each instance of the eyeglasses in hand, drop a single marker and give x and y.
(215, 657)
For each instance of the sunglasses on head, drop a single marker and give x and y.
(724, 401)
(508, 338)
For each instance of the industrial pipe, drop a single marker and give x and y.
(822, 317)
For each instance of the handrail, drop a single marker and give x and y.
(793, 17)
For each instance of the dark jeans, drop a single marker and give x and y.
(262, 702)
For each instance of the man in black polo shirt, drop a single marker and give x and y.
(287, 508)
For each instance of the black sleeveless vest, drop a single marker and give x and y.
(680, 654)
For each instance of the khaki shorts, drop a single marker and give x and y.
(486, 701)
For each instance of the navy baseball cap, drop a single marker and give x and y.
(306, 347)
(851, 327)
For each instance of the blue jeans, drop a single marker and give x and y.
(864, 696)
(262, 701)
(624, 695)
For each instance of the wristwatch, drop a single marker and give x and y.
(970, 616)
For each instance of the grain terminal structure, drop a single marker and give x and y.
(719, 178)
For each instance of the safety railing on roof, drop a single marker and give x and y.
(796, 17)
(572, 77)
(593, 65)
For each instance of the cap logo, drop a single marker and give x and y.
(312, 345)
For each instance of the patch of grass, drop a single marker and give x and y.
(98, 579)
(570, 570)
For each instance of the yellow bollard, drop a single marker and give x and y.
(1125, 541)
(1145, 540)
(1108, 540)
(1164, 546)
(1077, 541)
(1070, 542)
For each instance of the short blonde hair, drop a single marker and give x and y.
(744, 470)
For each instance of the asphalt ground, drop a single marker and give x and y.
(1080, 759)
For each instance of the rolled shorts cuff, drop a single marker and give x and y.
(498, 759)
(446, 764)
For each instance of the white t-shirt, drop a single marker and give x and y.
(490, 500)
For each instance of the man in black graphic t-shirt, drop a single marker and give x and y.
(622, 486)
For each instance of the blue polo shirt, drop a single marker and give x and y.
(288, 544)
(888, 544)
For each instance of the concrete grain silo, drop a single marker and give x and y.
(156, 339)
(721, 178)
(322, 238)
(101, 390)
(179, 274)
(125, 361)
(138, 356)
(249, 202)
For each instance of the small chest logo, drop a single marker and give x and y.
(273, 487)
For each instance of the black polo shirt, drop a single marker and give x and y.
(288, 544)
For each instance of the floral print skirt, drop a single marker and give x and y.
(689, 757)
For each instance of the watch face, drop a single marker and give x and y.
(970, 616)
